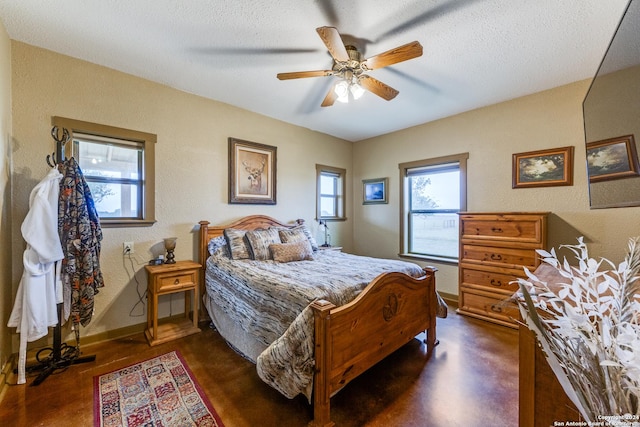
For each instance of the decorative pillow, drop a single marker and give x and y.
(259, 241)
(216, 243)
(235, 242)
(287, 252)
(289, 235)
(292, 235)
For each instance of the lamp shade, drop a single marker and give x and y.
(342, 90)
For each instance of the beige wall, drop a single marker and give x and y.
(491, 135)
(191, 164)
(6, 295)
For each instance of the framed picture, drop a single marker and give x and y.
(613, 158)
(374, 191)
(252, 173)
(543, 168)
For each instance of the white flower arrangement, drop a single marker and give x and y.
(589, 329)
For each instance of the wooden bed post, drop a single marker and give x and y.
(204, 242)
(203, 252)
(431, 339)
(321, 380)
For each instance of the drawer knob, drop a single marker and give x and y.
(177, 282)
(495, 282)
(496, 257)
(496, 308)
(496, 229)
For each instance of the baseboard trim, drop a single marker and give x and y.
(113, 334)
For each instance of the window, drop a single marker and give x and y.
(331, 183)
(118, 165)
(433, 193)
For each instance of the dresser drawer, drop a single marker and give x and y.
(488, 280)
(176, 281)
(486, 306)
(506, 228)
(498, 256)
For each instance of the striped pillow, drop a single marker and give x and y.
(292, 235)
(236, 244)
(298, 234)
(259, 241)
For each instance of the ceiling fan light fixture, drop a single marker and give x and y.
(356, 90)
(342, 90)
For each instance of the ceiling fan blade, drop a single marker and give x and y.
(330, 98)
(393, 56)
(243, 51)
(304, 74)
(377, 87)
(331, 38)
(328, 10)
(434, 12)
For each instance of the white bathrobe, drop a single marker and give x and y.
(34, 309)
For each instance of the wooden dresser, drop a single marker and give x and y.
(494, 248)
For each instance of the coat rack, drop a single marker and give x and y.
(61, 355)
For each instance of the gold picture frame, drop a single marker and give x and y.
(252, 172)
(543, 168)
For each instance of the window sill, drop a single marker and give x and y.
(116, 223)
(429, 258)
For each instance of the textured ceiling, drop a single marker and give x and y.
(476, 52)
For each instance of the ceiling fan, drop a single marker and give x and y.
(349, 66)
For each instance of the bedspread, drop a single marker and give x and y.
(270, 300)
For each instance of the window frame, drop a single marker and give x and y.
(340, 196)
(405, 199)
(147, 188)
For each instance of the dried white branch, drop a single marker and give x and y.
(589, 327)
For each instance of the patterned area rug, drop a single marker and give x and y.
(157, 392)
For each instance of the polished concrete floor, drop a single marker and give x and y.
(470, 380)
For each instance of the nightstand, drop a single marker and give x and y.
(330, 248)
(164, 279)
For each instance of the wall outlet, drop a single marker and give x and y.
(127, 248)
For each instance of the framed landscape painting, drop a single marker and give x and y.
(612, 158)
(252, 173)
(374, 191)
(543, 168)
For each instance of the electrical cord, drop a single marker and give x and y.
(141, 295)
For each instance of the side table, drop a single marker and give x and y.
(164, 279)
(330, 248)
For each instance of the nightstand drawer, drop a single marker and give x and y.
(489, 280)
(516, 228)
(177, 281)
(500, 257)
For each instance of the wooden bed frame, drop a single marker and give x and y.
(350, 339)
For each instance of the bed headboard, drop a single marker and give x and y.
(251, 222)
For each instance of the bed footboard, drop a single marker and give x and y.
(350, 339)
